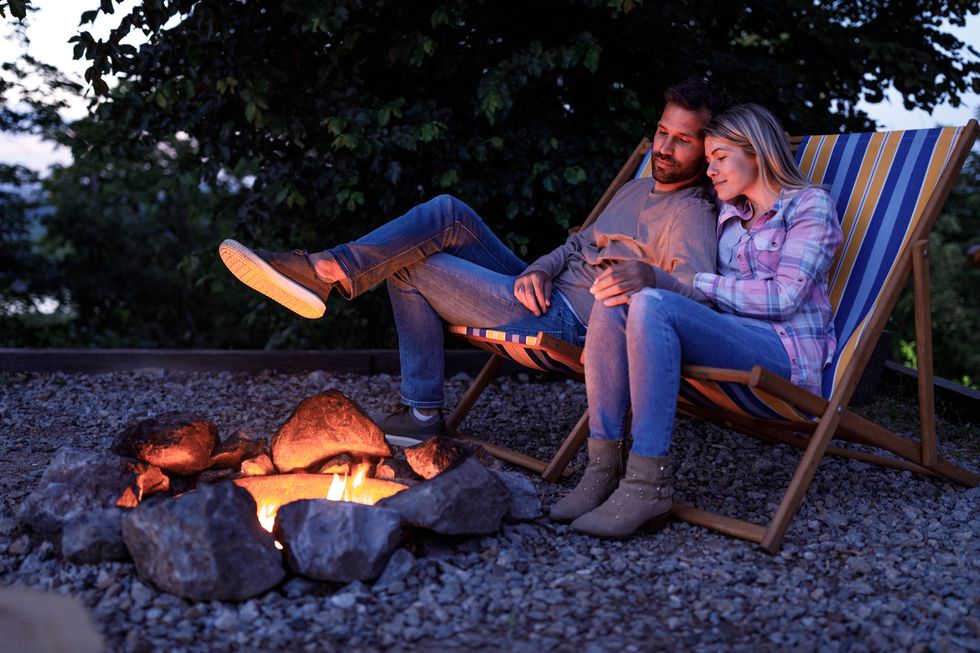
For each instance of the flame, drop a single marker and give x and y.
(267, 515)
(338, 488)
(276, 490)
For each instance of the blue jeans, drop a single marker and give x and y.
(443, 264)
(634, 353)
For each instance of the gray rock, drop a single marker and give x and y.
(399, 566)
(324, 426)
(261, 465)
(94, 536)
(466, 500)
(206, 544)
(341, 464)
(173, 441)
(235, 449)
(525, 505)
(216, 476)
(81, 481)
(397, 470)
(436, 455)
(337, 540)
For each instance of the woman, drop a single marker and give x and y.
(767, 305)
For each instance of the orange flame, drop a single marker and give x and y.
(272, 491)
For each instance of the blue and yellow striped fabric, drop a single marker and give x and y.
(520, 348)
(881, 183)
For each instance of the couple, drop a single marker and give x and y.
(662, 278)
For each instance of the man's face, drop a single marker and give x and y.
(678, 146)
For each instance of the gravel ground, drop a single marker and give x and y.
(876, 560)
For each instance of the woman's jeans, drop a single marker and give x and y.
(443, 264)
(634, 353)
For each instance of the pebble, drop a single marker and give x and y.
(875, 560)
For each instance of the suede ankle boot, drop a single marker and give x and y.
(642, 500)
(598, 482)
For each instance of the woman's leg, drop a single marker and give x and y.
(648, 341)
(607, 388)
(443, 224)
(663, 331)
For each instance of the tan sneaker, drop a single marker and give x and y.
(288, 278)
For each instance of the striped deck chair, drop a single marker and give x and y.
(889, 188)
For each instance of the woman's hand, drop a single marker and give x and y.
(533, 290)
(615, 284)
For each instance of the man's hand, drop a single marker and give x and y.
(533, 290)
(615, 284)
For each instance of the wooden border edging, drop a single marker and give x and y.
(953, 399)
(366, 361)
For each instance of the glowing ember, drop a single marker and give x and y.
(276, 490)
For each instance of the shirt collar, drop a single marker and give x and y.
(741, 209)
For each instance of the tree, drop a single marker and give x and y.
(343, 114)
(956, 340)
(31, 96)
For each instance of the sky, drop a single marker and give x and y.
(51, 26)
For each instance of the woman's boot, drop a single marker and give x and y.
(598, 482)
(643, 499)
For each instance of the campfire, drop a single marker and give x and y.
(324, 497)
(271, 492)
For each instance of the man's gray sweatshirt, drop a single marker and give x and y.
(673, 230)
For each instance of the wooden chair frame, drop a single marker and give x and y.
(834, 420)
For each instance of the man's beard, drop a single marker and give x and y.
(675, 175)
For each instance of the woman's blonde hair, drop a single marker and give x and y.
(753, 128)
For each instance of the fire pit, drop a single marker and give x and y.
(325, 497)
(271, 492)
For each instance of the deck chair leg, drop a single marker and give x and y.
(473, 393)
(802, 478)
(923, 350)
(568, 448)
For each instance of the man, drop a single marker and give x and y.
(442, 264)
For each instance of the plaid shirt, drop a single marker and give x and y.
(783, 265)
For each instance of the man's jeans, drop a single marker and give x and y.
(443, 264)
(634, 353)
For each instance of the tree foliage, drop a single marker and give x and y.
(291, 123)
(31, 96)
(955, 280)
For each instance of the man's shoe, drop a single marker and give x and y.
(403, 429)
(287, 278)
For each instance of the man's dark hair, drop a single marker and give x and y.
(696, 93)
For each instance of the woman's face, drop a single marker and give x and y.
(732, 171)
